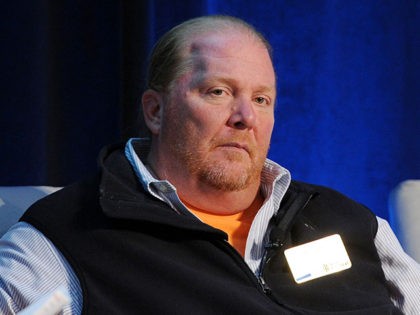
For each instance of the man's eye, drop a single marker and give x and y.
(261, 100)
(217, 92)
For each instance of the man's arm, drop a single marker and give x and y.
(401, 271)
(30, 268)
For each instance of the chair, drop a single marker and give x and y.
(404, 214)
(14, 200)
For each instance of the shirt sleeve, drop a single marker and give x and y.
(401, 271)
(31, 267)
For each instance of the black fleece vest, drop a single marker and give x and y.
(135, 255)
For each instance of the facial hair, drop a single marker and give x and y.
(234, 172)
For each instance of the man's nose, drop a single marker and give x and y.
(243, 114)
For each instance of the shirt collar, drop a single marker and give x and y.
(275, 179)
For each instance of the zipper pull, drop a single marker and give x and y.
(264, 286)
(271, 245)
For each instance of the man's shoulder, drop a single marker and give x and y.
(333, 206)
(324, 191)
(70, 193)
(331, 200)
(65, 202)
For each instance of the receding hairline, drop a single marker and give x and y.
(169, 58)
(192, 28)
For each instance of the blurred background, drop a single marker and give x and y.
(347, 115)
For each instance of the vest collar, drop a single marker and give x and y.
(122, 197)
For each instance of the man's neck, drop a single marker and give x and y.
(202, 195)
(220, 202)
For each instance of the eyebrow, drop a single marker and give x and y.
(230, 81)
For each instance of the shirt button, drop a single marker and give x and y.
(162, 187)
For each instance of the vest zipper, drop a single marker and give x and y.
(290, 210)
(299, 202)
(259, 282)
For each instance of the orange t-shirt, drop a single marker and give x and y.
(236, 226)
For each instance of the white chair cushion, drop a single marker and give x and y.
(14, 200)
(404, 206)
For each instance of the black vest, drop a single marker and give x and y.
(135, 255)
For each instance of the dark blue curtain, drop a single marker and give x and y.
(347, 113)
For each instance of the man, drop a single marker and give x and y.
(197, 220)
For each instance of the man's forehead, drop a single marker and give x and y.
(218, 43)
(228, 53)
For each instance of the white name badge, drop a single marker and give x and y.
(317, 258)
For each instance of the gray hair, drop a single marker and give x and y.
(168, 60)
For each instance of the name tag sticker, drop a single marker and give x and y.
(317, 258)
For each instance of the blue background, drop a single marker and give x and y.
(347, 112)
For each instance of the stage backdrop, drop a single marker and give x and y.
(347, 114)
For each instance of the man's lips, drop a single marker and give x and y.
(235, 145)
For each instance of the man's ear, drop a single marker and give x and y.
(152, 110)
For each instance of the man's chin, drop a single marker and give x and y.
(238, 156)
(227, 177)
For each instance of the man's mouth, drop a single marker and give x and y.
(236, 145)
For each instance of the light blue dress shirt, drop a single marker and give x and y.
(31, 266)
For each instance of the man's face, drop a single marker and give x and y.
(219, 116)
